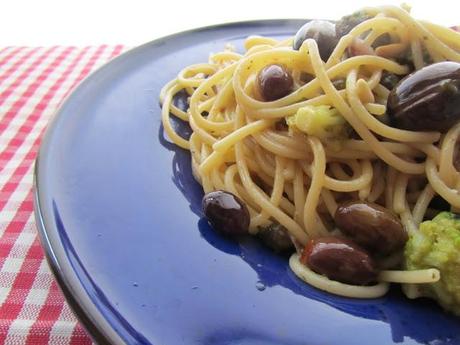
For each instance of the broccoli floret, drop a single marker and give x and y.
(437, 245)
(321, 121)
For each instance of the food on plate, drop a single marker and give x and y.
(437, 245)
(372, 226)
(335, 145)
(226, 213)
(428, 99)
(339, 259)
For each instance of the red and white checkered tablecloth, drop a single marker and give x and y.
(33, 82)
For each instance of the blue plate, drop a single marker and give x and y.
(119, 217)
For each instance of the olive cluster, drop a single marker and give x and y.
(371, 231)
(426, 100)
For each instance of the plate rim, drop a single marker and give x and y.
(92, 319)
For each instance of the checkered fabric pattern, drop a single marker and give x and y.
(33, 82)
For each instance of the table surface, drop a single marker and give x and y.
(33, 81)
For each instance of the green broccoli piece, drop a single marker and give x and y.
(437, 245)
(322, 121)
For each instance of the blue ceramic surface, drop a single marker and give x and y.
(119, 216)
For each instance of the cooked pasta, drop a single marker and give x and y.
(297, 177)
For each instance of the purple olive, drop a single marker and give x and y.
(323, 32)
(428, 99)
(226, 213)
(371, 226)
(274, 82)
(339, 259)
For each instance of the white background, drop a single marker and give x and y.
(132, 22)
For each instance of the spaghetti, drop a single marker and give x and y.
(245, 145)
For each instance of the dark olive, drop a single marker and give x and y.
(226, 213)
(277, 238)
(274, 82)
(371, 226)
(322, 31)
(339, 259)
(347, 23)
(428, 99)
